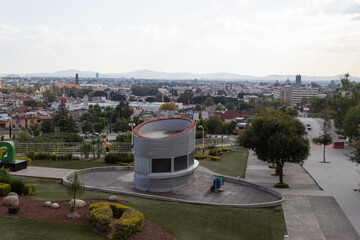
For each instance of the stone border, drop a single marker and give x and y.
(66, 182)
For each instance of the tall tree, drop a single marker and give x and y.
(214, 124)
(278, 138)
(347, 96)
(47, 126)
(351, 123)
(324, 139)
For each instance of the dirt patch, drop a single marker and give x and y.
(32, 209)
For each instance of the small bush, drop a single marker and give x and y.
(23, 157)
(49, 156)
(281, 185)
(4, 175)
(29, 189)
(17, 185)
(121, 219)
(215, 158)
(272, 166)
(214, 152)
(5, 188)
(130, 164)
(119, 158)
(224, 149)
(200, 157)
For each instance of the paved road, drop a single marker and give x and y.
(338, 178)
(309, 212)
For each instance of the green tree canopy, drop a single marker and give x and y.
(167, 106)
(278, 138)
(47, 126)
(352, 123)
(214, 124)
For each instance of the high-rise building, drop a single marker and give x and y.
(297, 81)
(77, 79)
(97, 75)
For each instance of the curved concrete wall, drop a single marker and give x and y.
(152, 141)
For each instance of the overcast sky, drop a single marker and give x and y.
(252, 37)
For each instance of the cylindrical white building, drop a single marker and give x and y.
(164, 151)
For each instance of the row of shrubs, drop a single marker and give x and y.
(10, 184)
(50, 157)
(119, 158)
(205, 156)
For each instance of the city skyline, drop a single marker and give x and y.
(259, 38)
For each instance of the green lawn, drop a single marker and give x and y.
(69, 164)
(26, 229)
(183, 221)
(232, 163)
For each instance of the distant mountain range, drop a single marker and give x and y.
(148, 74)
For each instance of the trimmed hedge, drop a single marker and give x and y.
(200, 157)
(23, 157)
(16, 184)
(49, 157)
(121, 219)
(119, 158)
(29, 189)
(215, 158)
(5, 188)
(224, 149)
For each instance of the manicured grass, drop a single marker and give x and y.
(183, 221)
(26, 229)
(232, 163)
(69, 164)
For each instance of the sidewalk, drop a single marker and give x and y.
(309, 212)
(43, 172)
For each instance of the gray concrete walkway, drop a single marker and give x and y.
(233, 193)
(43, 172)
(309, 212)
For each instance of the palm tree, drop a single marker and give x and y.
(75, 187)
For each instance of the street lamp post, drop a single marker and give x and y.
(132, 132)
(200, 126)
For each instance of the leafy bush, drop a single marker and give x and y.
(124, 137)
(130, 222)
(214, 152)
(203, 156)
(119, 158)
(4, 175)
(224, 149)
(5, 188)
(121, 219)
(272, 166)
(29, 189)
(215, 158)
(23, 157)
(58, 137)
(49, 156)
(281, 185)
(17, 185)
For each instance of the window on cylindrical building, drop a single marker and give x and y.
(161, 165)
(180, 163)
(191, 158)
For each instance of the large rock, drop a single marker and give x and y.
(13, 194)
(11, 201)
(79, 203)
(55, 205)
(113, 198)
(47, 204)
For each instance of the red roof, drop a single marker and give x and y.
(228, 115)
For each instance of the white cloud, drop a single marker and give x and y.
(8, 29)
